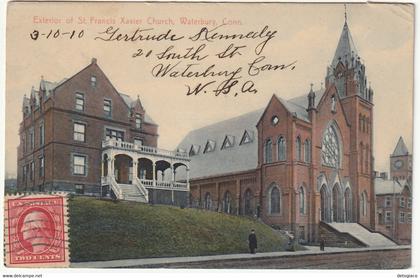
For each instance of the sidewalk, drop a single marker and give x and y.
(311, 250)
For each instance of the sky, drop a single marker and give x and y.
(306, 33)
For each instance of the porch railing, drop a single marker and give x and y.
(143, 149)
(164, 185)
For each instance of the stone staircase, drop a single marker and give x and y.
(371, 239)
(130, 192)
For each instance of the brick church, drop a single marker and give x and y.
(294, 163)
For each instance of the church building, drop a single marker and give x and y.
(295, 163)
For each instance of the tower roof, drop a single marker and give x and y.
(345, 48)
(400, 149)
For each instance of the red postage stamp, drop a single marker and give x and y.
(36, 231)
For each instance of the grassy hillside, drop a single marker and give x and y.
(106, 230)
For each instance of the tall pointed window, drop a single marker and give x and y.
(41, 134)
(307, 151)
(363, 203)
(330, 148)
(274, 199)
(302, 208)
(227, 202)
(298, 149)
(268, 151)
(281, 149)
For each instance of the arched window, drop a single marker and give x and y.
(248, 202)
(331, 154)
(207, 201)
(363, 203)
(298, 149)
(302, 200)
(307, 151)
(227, 202)
(267, 151)
(281, 148)
(274, 198)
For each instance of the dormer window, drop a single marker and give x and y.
(138, 121)
(93, 81)
(210, 146)
(194, 150)
(333, 104)
(247, 137)
(228, 142)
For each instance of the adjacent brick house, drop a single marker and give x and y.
(82, 135)
(394, 197)
(295, 162)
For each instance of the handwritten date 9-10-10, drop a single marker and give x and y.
(57, 33)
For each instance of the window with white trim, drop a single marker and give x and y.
(388, 217)
(402, 217)
(79, 189)
(41, 134)
(402, 202)
(107, 108)
(79, 164)
(79, 131)
(80, 102)
(138, 121)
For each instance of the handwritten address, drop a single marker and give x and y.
(212, 62)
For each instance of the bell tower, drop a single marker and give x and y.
(347, 73)
(401, 162)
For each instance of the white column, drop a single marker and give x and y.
(188, 179)
(134, 170)
(109, 161)
(154, 174)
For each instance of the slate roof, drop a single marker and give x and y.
(345, 48)
(400, 148)
(383, 187)
(239, 157)
(234, 159)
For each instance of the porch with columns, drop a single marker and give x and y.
(143, 167)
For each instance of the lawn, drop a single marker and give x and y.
(106, 230)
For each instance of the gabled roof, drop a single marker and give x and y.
(400, 148)
(345, 48)
(131, 102)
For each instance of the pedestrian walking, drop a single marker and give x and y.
(252, 240)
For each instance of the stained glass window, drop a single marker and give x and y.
(330, 148)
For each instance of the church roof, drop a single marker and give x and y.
(237, 158)
(401, 148)
(345, 48)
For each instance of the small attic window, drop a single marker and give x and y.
(228, 142)
(210, 146)
(274, 120)
(194, 150)
(333, 104)
(246, 138)
(93, 81)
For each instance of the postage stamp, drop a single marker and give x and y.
(36, 231)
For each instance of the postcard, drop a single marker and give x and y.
(208, 135)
